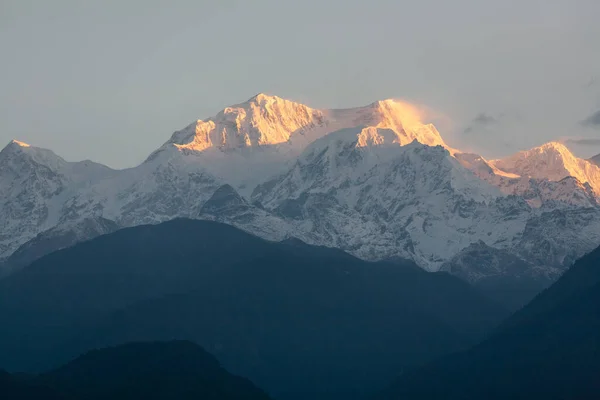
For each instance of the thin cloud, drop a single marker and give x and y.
(584, 141)
(480, 121)
(590, 83)
(484, 119)
(593, 121)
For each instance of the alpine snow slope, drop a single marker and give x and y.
(375, 181)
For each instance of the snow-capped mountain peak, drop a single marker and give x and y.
(247, 143)
(17, 152)
(270, 120)
(19, 143)
(407, 121)
(18, 147)
(261, 121)
(552, 161)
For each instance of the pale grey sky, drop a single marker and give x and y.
(111, 80)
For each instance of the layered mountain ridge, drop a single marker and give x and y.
(317, 322)
(546, 350)
(375, 181)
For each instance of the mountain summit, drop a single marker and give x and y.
(17, 150)
(18, 143)
(552, 161)
(247, 143)
(261, 121)
(266, 120)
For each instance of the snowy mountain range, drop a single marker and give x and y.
(375, 181)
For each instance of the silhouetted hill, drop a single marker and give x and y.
(300, 321)
(584, 274)
(150, 371)
(13, 388)
(548, 350)
(137, 371)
